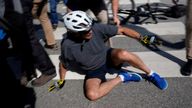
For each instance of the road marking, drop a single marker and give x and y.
(162, 28)
(166, 28)
(163, 62)
(59, 33)
(128, 2)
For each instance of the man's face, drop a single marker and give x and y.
(86, 34)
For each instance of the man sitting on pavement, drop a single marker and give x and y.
(83, 47)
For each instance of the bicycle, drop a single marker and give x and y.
(154, 11)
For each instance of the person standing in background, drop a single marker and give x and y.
(98, 7)
(16, 55)
(78, 5)
(53, 13)
(187, 68)
(39, 10)
(115, 7)
(25, 44)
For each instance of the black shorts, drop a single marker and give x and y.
(108, 67)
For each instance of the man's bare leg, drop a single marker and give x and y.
(95, 89)
(120, 56)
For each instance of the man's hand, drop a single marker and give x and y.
(148, 40)
(58, 85)
(116, 21)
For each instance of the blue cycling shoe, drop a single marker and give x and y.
(128, 76)
(161, 83)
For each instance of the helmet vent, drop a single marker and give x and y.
(68, 19)
(86, 20)
(82, 25)
(77, 27)
(74, 21)
(79, 16)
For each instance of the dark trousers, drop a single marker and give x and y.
(24, 40)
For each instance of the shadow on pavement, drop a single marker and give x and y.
(166, 43)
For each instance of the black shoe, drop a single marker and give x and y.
(186, 70)
(54, 46)
(43, 79)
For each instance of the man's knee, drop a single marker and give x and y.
(119, 53)
(92, 95)
(123, 55)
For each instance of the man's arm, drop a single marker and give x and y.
(62, 71)
(60, 83)
(146, 39)
(128, 32)
(115, 7)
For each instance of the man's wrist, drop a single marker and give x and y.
(140, 37)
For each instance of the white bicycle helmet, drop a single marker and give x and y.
(77, 21)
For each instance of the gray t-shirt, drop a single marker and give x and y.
(87, 55)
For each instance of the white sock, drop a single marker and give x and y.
(151, 73)
(122, 77)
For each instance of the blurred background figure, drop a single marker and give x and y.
(115, 8)
(98, 7)
(20, 46)
(187, 68)
(16, 59)
(40, 11)
(53, 13)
